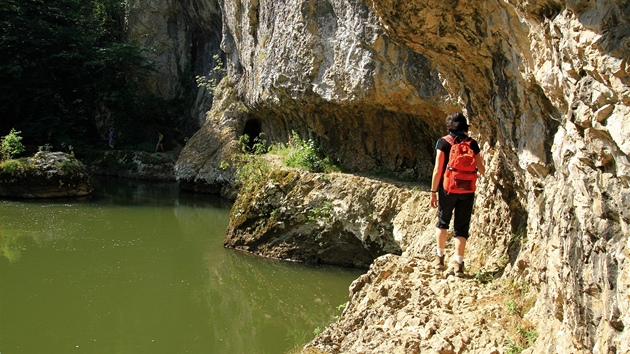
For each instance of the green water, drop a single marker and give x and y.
(141, 268)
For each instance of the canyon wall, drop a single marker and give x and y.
(544, 84)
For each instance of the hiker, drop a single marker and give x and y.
(458, 198)
(112, 138)
(159, 143)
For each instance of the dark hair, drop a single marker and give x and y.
(456, 121)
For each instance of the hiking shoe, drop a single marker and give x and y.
(458, 269)
(438, 263)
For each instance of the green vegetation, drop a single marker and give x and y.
(519, 237)
(484, 277)
(11, 145)
(318, 330)
(322, 213)
(526, 337)
(253, 168)
(257, 147)
(341, 308)
(66, 62)
(518, 302)
(25, 165)
(45, 147)
(68, 166)
(213, 78)
(305, 154)
(14, 166)
(513, 347)
(529, 334)
(503, 261)
(512, 307)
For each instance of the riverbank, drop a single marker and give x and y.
(134, 164)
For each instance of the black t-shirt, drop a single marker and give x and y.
(444, 145)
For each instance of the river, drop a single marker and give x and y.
(141, 268)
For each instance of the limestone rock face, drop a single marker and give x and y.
(157, 24)
(545, 85)
(45, 175)
(180, 38)
(200, 164)
(326, 70)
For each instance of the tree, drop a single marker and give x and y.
(11, 145)
(60, 61)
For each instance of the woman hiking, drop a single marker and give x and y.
(451, 194)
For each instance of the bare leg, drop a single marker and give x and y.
(460, 246)
(458, 264)
(440, 237)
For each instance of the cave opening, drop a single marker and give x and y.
(253, 129)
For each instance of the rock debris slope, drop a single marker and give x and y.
(405, 307)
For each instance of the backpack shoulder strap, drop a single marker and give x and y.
(449, 138)
(457, 139)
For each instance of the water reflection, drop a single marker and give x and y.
(139, 268)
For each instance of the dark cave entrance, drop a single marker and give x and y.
(252, 129)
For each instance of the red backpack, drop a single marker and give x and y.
(461, 171)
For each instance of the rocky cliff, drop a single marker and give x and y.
(545, 85)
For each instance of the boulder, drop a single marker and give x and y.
(317, 218)
(45, 175)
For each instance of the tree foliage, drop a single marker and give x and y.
(61, 63)
(11, 145)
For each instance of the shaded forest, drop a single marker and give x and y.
(68, 75)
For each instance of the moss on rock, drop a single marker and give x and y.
(45, 175)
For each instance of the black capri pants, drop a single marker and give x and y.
(461, 205)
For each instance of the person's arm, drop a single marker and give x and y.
(437, 176)
(479, 163)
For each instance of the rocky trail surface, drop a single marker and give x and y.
(403, 305)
